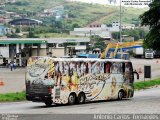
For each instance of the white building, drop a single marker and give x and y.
(102, 30)
(128, 26)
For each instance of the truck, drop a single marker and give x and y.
(149, 53)
(156, 53)
(138, 52)
(141, 52)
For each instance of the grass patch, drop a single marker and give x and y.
(146, 84)
(19, 96)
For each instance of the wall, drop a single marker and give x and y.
(42, 52)
(58, 52)
(4, 51)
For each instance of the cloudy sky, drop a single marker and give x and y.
(93, 1)
(106, 2)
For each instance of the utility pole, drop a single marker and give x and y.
(120, 29)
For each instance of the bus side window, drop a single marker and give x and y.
(89, 67)
(95, 67)
(114, 68)
(102, 67)
(123, 67)
(56, 69)
(107, 67)
(66, 68)
(127, 67)
(127, 73)
(83, 68)
(71, 68)
(98, 68)
(78, 69)
(86, 71)
(120, 69)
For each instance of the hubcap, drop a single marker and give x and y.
(81, 98)
(120, 95)
(71, 98)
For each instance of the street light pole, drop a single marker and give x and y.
(120, 29)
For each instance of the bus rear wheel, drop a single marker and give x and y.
(81, 98)
(48, 102)
(72, 99)
(120, 95)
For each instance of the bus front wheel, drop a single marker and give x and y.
(81, 98)
(120, 95)
(72, 99)
(48, 102)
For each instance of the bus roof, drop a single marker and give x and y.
(84, 59)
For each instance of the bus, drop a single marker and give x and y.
(78, 80)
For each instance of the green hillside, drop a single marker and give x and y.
(87, 13)
(80, 13)
(23, 6)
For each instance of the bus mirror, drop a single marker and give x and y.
(135, 72)
(137, 76)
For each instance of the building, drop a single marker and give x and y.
(2, 20)
(116, 24)
(4, 30)
(127, 38)
(25, 21)
(128, 26)
(97, 29)
(89, 31)
(21, 49)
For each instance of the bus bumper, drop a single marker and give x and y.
(38, 97)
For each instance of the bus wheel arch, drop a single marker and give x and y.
(72, 98)
(81, 97)
(48, 102)
(121, 94)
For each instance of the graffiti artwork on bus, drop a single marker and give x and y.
(40, 68)
(76, 76)
(92, 85)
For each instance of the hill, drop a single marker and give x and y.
(74, 13)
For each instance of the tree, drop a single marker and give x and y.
(116, 35)
(152, 19)
(98, 42)
(17, 30)
(31, 34)
(75, 25)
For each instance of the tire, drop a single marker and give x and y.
(81, 98)
(132, 93)
(120, 95)
(71, 99)
(48, 102)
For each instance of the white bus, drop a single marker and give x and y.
(77, 80)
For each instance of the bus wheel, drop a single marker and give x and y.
(81, 98)
(48, 102)
(120, 95)
(72, 99)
